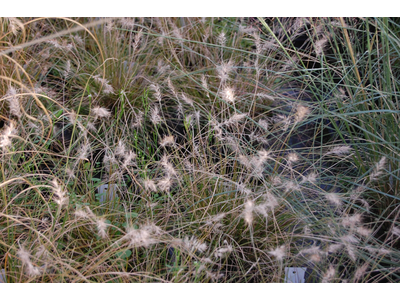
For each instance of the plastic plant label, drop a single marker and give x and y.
(295, 275)
(3, 276)
(107, 192)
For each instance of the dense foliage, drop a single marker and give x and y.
(199, 150)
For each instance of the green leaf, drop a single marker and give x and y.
(123, 254)
(59, 113)
(132, 215)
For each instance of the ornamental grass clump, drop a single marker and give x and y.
(199, 149)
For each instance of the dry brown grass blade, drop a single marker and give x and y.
(55, 35)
